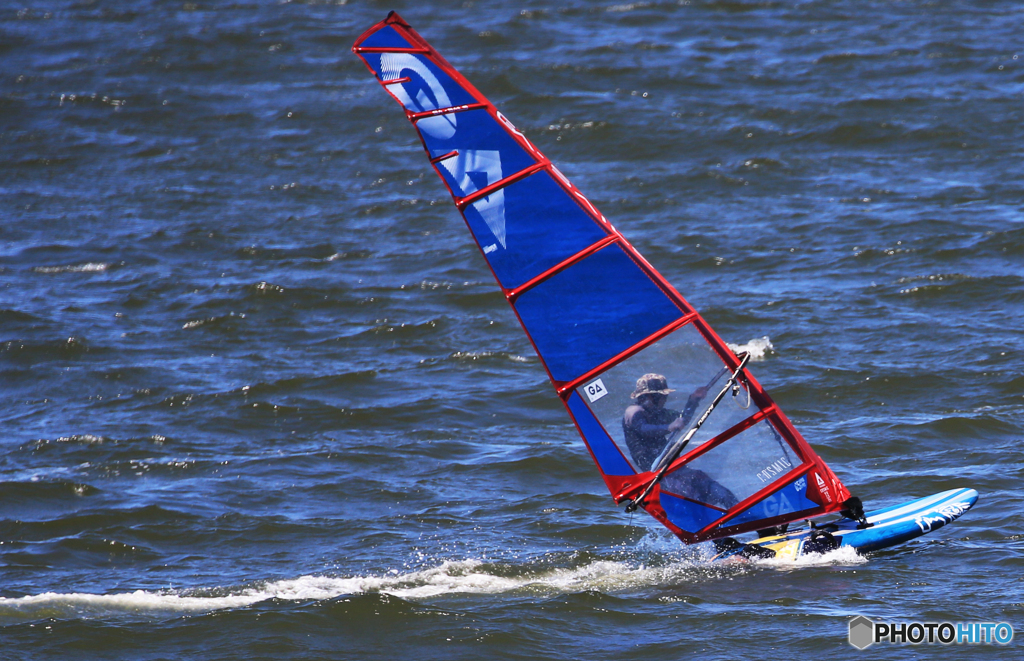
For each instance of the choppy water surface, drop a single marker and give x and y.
(261, 398)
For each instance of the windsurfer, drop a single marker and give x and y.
(648, 425)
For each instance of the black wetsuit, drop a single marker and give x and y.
(647, 433)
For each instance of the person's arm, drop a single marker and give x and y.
(691, 406)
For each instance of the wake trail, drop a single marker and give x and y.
(449, 578)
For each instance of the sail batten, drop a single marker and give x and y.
(513, 294)
(385, 49)
(630, 358)
(615, 360)
(443, 111)
(444, 157)
(723, 437)
(498, 185)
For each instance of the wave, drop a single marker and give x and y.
(451, 577)
(759, 347)
(448, 578)
(89, 267)
(46, 350)
(843, 556)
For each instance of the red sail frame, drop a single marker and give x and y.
(621, 487)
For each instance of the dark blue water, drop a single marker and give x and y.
(261, 398)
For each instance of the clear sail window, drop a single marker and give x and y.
(651, 400)
(736, 469)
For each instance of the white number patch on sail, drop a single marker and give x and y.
(595, 390)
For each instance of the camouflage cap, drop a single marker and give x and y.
(651, 384)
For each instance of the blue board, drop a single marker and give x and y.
(890, 525)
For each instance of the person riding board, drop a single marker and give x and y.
(648, 425)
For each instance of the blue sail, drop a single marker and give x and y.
(603, 321)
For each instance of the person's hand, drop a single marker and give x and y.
(676, 425)
(700, 393)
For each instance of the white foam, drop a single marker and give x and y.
(463, 577)
(758, 347)
(842, 556)
(53, 604)
(448, 578)
(73, 268)
(170, 602)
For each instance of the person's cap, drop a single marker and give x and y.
(651, 384)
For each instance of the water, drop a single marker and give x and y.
(261, 398)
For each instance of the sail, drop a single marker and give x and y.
(608, 328)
